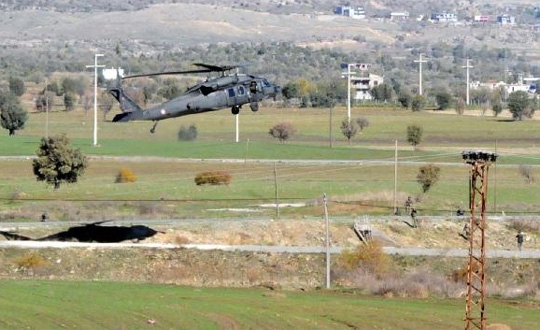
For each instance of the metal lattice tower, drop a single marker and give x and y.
(475, 307)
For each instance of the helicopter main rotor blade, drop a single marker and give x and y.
(215, 68)
(165, 73)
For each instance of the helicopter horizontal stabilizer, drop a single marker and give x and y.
(122, 117)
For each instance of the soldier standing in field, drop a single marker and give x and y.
(519, 238)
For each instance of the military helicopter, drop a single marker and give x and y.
(227, 90)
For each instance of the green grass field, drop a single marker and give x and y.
(445, 137)
(33, 304)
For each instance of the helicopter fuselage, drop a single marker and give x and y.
(231, 91)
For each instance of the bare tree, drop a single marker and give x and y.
(349, 129)
(526, 173)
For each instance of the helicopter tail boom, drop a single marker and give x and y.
(126, 103)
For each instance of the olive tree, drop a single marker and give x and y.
(418, 103)
(427, 176)
(12, 115)
(414, 135)
(57, 162)
(518, 104)
(16, 86)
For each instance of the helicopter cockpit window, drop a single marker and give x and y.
(241, 90)
(231, 92)
(266, 83)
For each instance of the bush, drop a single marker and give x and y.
(460, 106)
(414, 135)
(405, 99)
(418, 103)
(526, 173)
(213, 178)
(497, 109)
(30, 262)
(427, 176)
(362, 123)
(282, 131)
(126, 175)
(367, 257)
(187, 134)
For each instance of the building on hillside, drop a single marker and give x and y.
(508, 88)
(362, 86)
(113, 73)
(444, 17)
(482, 18)
(399, 16)
(506, 19)
(349, 11)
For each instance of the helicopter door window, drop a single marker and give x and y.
(253, 87)
(231, 92)
(241, 90)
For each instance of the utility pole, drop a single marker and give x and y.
(95, 66)
(327, 222)
(476, 276)
(468, 66)
(395, 179)
(237, 121)
(276, 191)
(46, 110)
(349, 74)
(420, 61)
(330, 128)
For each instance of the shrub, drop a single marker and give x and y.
(405, 99)
(414, 135)
(418, 103)
(213, 178)
(460, 106)
(30, 262)
(427, 176)
(497, 109)
(348, 129)
(282, 131)
(126, 175)
(444, 100)
(187, 134)
(526, 173)
(368, 257)
(362, 123)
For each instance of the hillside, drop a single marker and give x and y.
(180, 24)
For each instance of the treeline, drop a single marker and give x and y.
(308, 74)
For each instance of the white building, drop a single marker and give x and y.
(508, 88)
(444, 17)
(113, 73)
(363, 85)
(481, 19)
(506, 19)
(349, 11)
(399, 16)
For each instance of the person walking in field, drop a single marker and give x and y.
(519, 238)
(413, 216)
(408, 205)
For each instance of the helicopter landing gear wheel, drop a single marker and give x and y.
(235, 110)
(153, 129)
